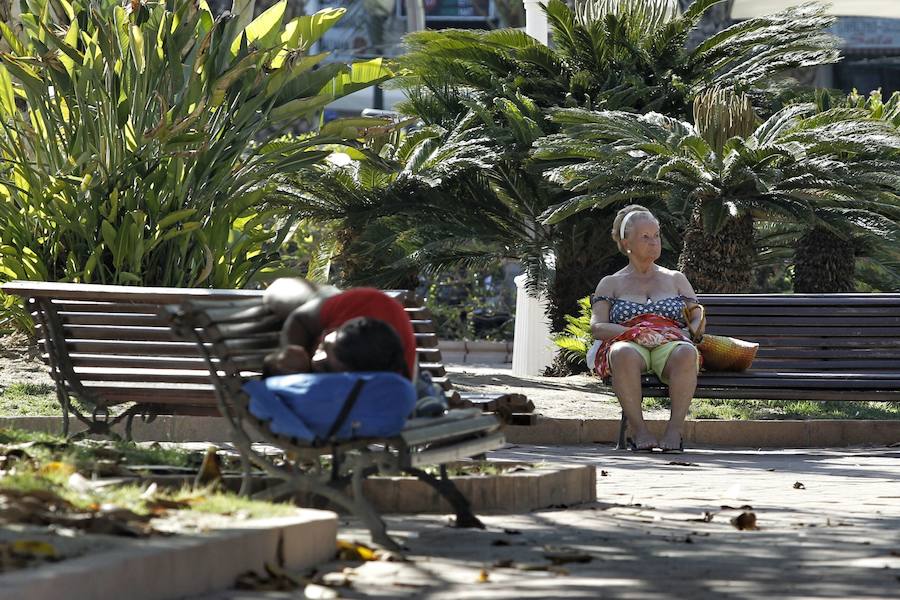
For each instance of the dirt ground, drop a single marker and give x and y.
(19, 363)
(574, 397)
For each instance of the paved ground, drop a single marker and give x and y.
(576, 396)
(828, 528)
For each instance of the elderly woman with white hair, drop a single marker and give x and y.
(638, 320)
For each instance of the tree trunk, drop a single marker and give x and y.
(720, 263)
(824, 263)
(585, 253)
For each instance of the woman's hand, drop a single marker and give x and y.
(648, 338)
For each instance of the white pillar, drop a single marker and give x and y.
(415, 15)
(533, 350)
(536, 20)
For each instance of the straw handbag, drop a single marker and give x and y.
(720, 352)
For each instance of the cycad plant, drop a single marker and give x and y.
(129, 140)
(604, 54)
(827, 251)
(796, 160)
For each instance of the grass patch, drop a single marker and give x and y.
(54, 482)
(42, 463)
(484, 467)
(29, 399)
(84, 454)
(745, 410)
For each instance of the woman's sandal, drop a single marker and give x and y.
(632, 446)
(678, 450)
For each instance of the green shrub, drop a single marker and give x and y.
(576, 339)
(127, 140)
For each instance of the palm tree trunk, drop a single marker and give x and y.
(824, 263)
(719, 263)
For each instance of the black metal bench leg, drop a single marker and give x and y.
(357, 506)
(245, 476)
(620, 445)
(446, 488)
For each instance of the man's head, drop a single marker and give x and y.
(361, 344)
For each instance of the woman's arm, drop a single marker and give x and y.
(697, 323)
(601, 328)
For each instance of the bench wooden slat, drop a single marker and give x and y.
(179, 376)
(444, 429)
(866, 364)
(111, 319)
(858, 354)
(101, 332)
(458, 451)
(782, 331)
(115, 293)
(732, 311)
(131, 348)
(826, 343)
(824, 300)
(84, 306)
(811, 320)
(137, 362)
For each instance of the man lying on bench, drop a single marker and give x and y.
(327, 330)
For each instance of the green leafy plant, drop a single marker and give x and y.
(128, 135)
(607, 55)
(791, 167)
(576, 339)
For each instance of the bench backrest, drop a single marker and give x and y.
(851, 333)
(118, 342)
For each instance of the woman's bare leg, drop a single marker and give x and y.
(681, 372)
(626, 366)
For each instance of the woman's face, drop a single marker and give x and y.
(643, 240)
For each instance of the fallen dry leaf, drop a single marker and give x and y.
(559, 555)
(354, 551)
(706, 517)
(799, 486)
(57, 468)
(746, 521)
(483, 576)
(34, 549)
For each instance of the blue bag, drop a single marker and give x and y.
(321, 407)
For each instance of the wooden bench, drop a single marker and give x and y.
(186, 352)
(234, 337)
(811, 347)
(108, 346)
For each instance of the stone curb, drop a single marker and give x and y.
(750, 434)
(561, 432)
(541, 486)
(463, 352)
(183, 565)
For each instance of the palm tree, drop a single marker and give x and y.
(827, 250)
(794, 161)
(622, 55)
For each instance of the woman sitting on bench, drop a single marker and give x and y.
(637, 318)
(328, 330)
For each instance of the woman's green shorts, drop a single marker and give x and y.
(655, 358)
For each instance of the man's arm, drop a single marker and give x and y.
(302, 326)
